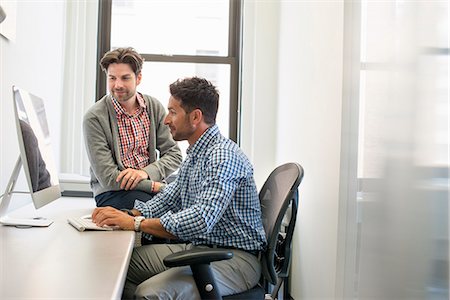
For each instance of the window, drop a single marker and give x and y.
(397, 207)
(178, 39)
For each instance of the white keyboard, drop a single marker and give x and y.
(82, 224)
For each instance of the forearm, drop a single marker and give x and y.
(154, 227)
(169, 161)
(161, 203)
(134, 212)
(100, 154)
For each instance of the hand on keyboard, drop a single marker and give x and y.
(85, 223)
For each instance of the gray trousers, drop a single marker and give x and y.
(149, 278)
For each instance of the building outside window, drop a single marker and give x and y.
(178, 39)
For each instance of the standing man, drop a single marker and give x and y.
(123, 132)
(213, 202)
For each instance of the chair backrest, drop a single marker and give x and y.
(279, 202)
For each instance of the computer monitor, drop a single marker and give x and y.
(36, 158)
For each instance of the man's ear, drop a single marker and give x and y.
(196, 116)
(138, 78)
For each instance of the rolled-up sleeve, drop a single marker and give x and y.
(165, 201)
(210, 198)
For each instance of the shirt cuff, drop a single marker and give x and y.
(169, 223)
(142, 207)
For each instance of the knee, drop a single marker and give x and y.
(148, 292)
(167, 289)
(145, 292)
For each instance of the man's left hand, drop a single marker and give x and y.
(129, 178)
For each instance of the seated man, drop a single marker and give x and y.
(123, 132)
(213, 202)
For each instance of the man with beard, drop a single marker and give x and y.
(123, 132)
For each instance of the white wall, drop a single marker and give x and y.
(259, 85)
(301, 100)
(34, 62)
(309, 131)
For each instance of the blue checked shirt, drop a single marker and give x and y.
(214, 199)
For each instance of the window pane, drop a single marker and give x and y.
(157, 76)
(171, 27)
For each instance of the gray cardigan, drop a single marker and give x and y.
(101, 136)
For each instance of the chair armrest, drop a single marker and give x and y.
(197, 256)
(199, 260)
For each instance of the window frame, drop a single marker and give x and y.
(233, 59)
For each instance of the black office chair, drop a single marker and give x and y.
(279, 203)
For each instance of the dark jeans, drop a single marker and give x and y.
(121, 199)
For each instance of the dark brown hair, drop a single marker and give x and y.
(197, 93)
(127, 56)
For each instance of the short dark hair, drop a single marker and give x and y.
(127, 56)
(197, 93)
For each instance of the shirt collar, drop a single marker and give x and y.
(204, 139)
(140, 100)
(120, 111)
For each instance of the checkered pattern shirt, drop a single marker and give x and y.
(214, 200)
(133, 133)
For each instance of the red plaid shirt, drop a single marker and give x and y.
(133, 134)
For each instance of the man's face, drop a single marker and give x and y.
(178, 121)
(122, 82)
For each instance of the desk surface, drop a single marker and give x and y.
(59, 262)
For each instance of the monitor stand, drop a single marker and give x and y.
(6, 199)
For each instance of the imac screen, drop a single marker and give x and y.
(35, 147)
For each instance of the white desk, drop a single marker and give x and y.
(58, 262)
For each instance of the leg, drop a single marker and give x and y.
(146, 262)
(121, 199)
(232, 276)
(174, 283)
(238, 274)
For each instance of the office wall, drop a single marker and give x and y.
(291, 111)
(309, 131)
(33, 62)
(259, 85)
